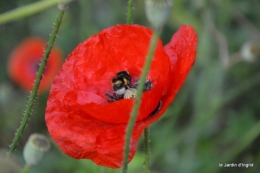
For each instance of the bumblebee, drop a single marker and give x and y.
(123, 88)
(121, 82)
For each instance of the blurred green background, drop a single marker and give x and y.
(215, 117)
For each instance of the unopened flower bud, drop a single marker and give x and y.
(35, 148)
(158, 12)
(250, 52)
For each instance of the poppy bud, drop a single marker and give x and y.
(250, 51)
(158, 12)
(35, 148)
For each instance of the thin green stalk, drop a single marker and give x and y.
(26, 169)
(146, 150)
(135, 109)
(37, 80)
(28, 10)
(129, 11)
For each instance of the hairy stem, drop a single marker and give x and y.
(28, 10)
(146, 150)
(37, 80)
(137, 103)
(129, 11)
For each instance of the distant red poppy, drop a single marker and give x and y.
(24, 63)
(78, 115)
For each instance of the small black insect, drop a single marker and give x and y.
(121, 82)
(123, 88)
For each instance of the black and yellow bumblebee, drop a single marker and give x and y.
(123, 87)
(121, 82)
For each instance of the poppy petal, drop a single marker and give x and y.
(182, 53)
(110, 146)
(93, 64)
(81, 136)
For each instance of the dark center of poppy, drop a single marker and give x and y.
(36, 65)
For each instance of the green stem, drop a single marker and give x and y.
(129, 11)
(28, 10)
(146, 150)
(135, 109)
(26, 169)
(37, 80)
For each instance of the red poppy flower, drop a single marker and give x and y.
(78, 116)
(24, 62)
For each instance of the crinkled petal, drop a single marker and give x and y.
(93, 64)
(182, 53)
(81, 136)
(110, 145)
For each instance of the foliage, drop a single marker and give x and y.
(215, 116)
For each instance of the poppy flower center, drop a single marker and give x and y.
(36, 65)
